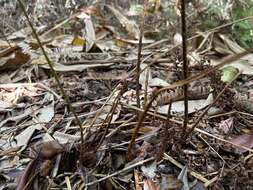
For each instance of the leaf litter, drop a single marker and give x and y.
(95, 59)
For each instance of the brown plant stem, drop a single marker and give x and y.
(65, 97)
(177, 84)
(185, 65)
(109, 117)
(138, 65)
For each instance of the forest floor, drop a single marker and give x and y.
(114, 131)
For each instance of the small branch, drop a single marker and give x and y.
(109, 117)
(185, 65)
(66, 98)
(121, 171)
(138, 65)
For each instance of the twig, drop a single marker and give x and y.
(185, 66)
(66, 98)
(109, 117)
(195, 36)
(138, 65)
(99, 111)
(190, 126)
(194, 174)
(212, 148)
(124, 124)
(146, 89)
(121, 171)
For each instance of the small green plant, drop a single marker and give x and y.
(243, 31)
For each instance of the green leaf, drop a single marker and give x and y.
(228, 73)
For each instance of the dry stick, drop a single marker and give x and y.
(221, 27)
(177, 84)
(30, 180)
(208, 107)
(124, 124)
(108, 118)
(99, 111)
(121, 171)
(66, 98)
(138, 65)
(176, 163)
(146, 88)
(185, 66)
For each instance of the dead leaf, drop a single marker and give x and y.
(46, 113)
(177, 39)
(226, 125)
(169, 182)
(243, 140)
(193, 105)
(184, 178)
(149, 170)
(13, 60)
(79, 67)
(90, 33)
(24, 137)
(130, 25)
(49, 149)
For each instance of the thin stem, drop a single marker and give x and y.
(138, 65)
(178, 84)
(65, 97)
(185, 65)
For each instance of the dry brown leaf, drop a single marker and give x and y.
(169, 182)
(130, 25)
(90, 33)
(243, 140)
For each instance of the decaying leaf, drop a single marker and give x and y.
(243, 140)
(130, 25)
(169, 182)
(226, 125)
(193, 105)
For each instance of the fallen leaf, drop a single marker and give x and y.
(243, 140)
(226, 125)
(130, 25)
(183, 177)
(24, 137)
(169, 182)
(228, 73)
(90, 33)
(149, 170)
(193, 105)
(45, 114)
